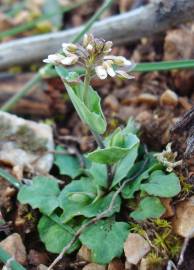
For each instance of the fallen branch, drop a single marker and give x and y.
(144, 21)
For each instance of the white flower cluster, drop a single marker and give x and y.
(93, 54)
(167, 158)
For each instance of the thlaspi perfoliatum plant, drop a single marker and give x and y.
(119, 171)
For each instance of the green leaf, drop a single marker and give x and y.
(51, 6)
(149, 207)
(91, 114)
(105, 239)
(67, 164)
(162, 185)
(124, 166)
(42, 193)
(99, 174)
(108, 155)
(113, 154)
(55, 236)
(91, 206)
(129, 191)
(164, 65)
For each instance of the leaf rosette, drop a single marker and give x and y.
(84, 198)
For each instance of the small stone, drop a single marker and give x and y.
(135, 248)
(116, 264)
(84, 254)
(183, 222)
(94, 266)
(148, 99)
(26, 144)
(128, 266)
(144, 264)
(42, 267)
(169, 98)
(112, 103)
(14, 246)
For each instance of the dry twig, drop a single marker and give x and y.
(144, 21)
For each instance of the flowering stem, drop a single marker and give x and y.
(86, 86)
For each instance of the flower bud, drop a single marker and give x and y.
(69, 48)
(88, 38)
(108, 47)
(90, 48)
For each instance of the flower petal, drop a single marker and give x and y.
(70, 60)
(101, 72)
(54, 59)
(118, 60)
(108, 66)
(124, 74)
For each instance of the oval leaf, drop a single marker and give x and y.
(42, 193)
(55, 236)
(149, 207)
(162, 185)
(105, 239)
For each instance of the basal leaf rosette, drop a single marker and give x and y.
(83, 198)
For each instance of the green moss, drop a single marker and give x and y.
(27, 140)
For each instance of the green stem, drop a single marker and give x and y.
(86, 87)
(27, 88)
(98, 139)
(11, 179)
(5, 256)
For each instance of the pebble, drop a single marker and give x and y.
(183, 222)
(94, 266)
(14, 246)
(135, 248)
(148, 99)
(16, 154)
(169, 98)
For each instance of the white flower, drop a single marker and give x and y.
(124, 74)
(118, 60)
(101, 72)
(70, 60)
(108, 66)
(54, 59)
(167, 158)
